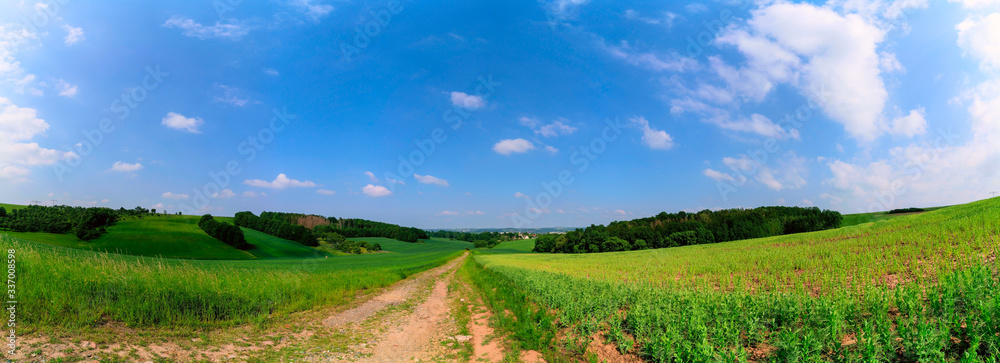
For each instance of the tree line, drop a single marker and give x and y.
(348, 246)
(905, 210)
(276, 224)
(225, 232)
(85, 223)
(683, 229)
(356, 227)
(479, 240)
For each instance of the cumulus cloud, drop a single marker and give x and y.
(510, 146)
(910, 125)
(65, 89)
(325, 192)
(230, 29)
(282, 181)
(170, 195)
(224, 194)
(375, 190)
(177, 121)
(653, 138)
(980, 37)
(18, 125)
(555, 128)
(467, 101)
(428, 179)
(125, 167)
(73, 35)
(831, 58)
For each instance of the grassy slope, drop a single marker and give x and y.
(860, 218)
(511, 247)
(67, 288)
(175, 237)
(798, 296)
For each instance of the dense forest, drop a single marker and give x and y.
(354, 227)
(276, 224)
(85, 223)
(682, 229)
(479, 240)
(225, 232)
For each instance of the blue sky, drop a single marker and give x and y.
(499, 114)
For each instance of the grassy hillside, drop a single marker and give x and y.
(920, 287)
(175, 237)
(859, 218)
(519, 246)
(10, 207)
(66, 288)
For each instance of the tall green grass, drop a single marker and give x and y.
(60, 288)
(921, 288)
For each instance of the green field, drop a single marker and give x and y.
(859, 218)
(921, 287)
(174, 237)
(67, 288)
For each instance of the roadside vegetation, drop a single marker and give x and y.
(921, 288)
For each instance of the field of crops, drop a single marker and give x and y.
(65, 289)
(913, 288)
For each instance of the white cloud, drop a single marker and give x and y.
(447, 213)
(791, 171)
(563, 9)
(13, 37)
(509, 146)
(105, 201)
(312, 8)
(474, 212)
(807, 203)
(375, 191)
(224, 194)
(830, 57)
(249, 194)
(157, 206)
(428, 179)
(717, 175)
(65, 89)
(976, 4)
(888, 63)
(230, 95)
(652, 61)
(22, 124)
(653, 138)
(550, 149)
(271, 72)
(170, 195)
(325, 192)
(835, 200)
(463, 100)
(910, 125)
(73, 35)
(980, 37)
(371, 176)
(521, 195)
(177, 121)
(757, 124)
(555, 128)
(126, 167)
(231, 30)
(280, 182)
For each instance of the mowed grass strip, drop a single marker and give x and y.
(63, 289)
